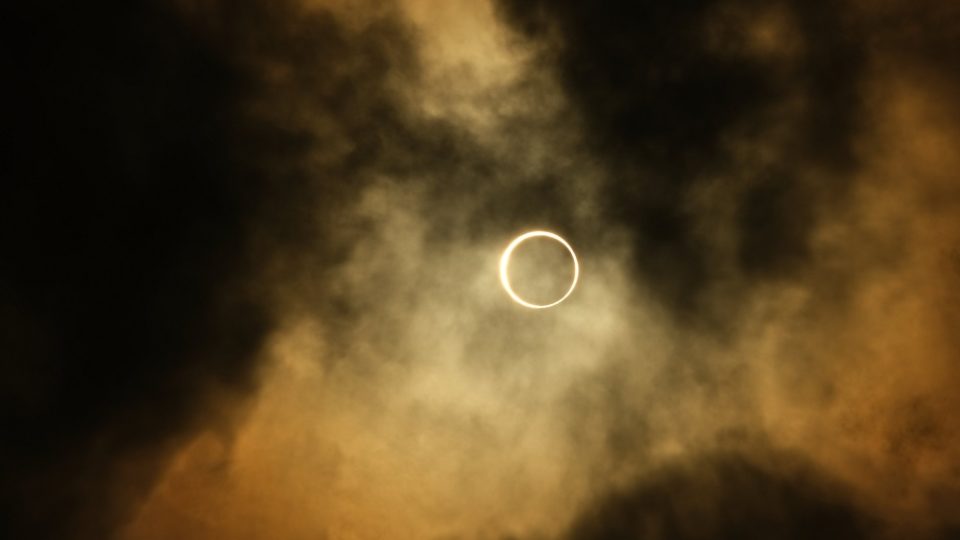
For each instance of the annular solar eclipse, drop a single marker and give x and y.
(505, 268)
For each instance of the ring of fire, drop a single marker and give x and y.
(505, 264)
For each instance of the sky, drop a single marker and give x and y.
(249, 273)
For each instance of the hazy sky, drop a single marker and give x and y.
(249, 289)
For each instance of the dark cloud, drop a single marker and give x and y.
(729, 494)
(671, 92)
(147, 185)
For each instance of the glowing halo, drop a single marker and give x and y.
(505, 263)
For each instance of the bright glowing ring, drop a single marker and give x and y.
(505, 263)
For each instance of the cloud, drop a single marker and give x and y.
(759, 101)
(249, 287)
(151, 181)
(728, 494)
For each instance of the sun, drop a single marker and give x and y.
(505, 268)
